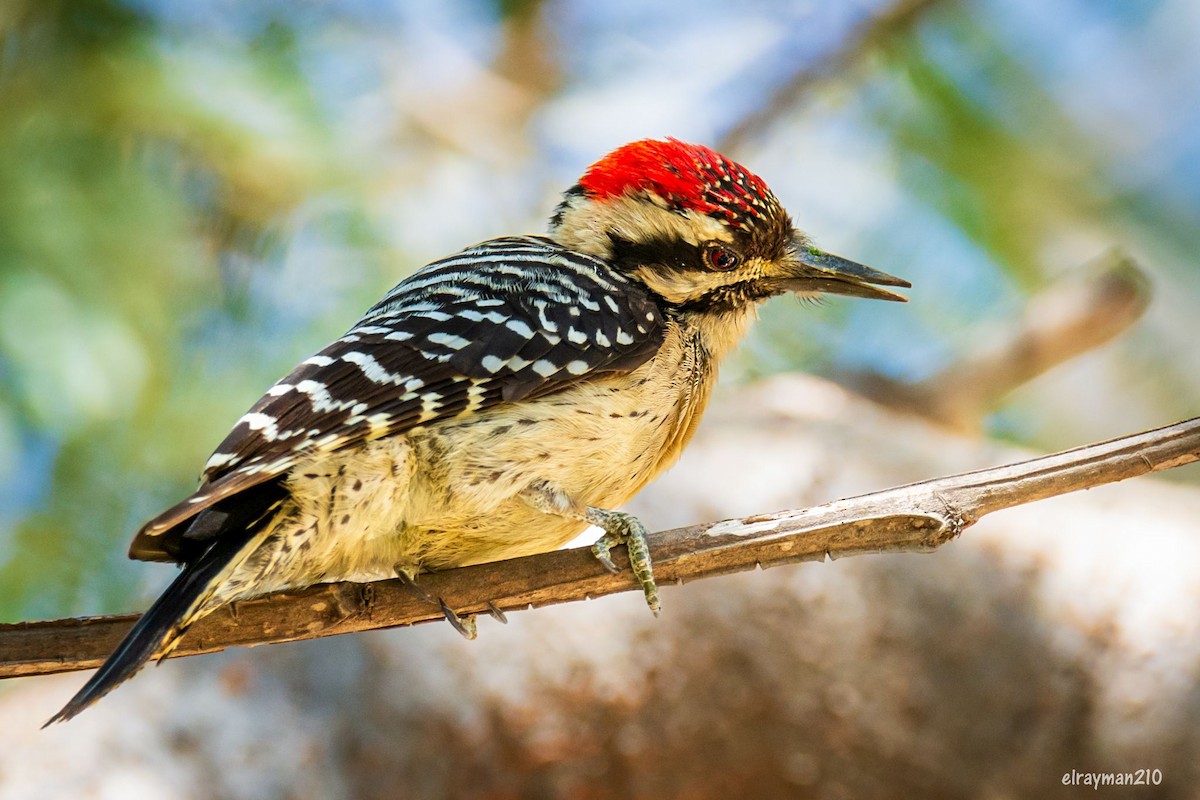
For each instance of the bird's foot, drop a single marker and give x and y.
(465, 623)
(621, 528)
(407, 577)
(496, 613)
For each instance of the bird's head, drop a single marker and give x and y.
(700, 231)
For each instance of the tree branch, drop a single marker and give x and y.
(865, 38)
(1089, 307)
(916, 518)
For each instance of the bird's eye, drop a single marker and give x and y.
(722, 259)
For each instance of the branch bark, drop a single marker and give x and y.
(919, 517)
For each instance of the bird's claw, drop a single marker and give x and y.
(496, 613)
(406, 577)
(602, 549)
(464, 625)
(620, 528)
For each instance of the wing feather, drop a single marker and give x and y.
(501, 321)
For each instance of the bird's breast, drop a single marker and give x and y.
(601, 440)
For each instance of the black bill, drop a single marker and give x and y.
(815, 271)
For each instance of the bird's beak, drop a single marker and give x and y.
(811, 270)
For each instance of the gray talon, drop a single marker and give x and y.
(602, 549)
(406, 578)
(496, 613)
(464, 625)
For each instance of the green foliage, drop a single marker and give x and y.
(127, 180)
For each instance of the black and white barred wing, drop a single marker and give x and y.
(506, 320)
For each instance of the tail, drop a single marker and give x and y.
(161, 627)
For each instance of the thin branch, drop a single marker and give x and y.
(865, 38)
(1089, 307)
(916, 518)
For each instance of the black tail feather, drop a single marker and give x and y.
(163, 623)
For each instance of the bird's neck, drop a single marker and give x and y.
(716, 332)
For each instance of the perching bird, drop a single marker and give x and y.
(495, 403)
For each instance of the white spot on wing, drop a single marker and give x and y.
(547, 323)
(372, 369)
(520, 328)
(436, 316)
(263, 423)
(321, 400)
(448, 340)
(480, 316)
(475, 395)
(219, 460)
(430, 403)
(356, 414)
(328, 442)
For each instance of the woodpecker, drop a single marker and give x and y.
(496, 402)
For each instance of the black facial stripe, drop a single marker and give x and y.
(667, 252)
(675, 255)
(726, 298)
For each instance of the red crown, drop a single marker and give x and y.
(687, 176)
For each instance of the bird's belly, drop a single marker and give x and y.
(450, 494)
(467, 504)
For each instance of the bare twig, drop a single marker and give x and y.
(863, 39)
(915, 518)
(1089, 307)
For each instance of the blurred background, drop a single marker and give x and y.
(196, 195)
